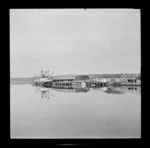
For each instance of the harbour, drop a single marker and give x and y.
(84, 80)
(75, 73)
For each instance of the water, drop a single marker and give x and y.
(82, 113)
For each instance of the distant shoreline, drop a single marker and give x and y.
(31, 79)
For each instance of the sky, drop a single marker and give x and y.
(74, 41)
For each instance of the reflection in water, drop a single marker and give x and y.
(90, 112)
(128, 89)
(113, 91)
(46, 91)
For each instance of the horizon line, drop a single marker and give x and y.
(77, 74)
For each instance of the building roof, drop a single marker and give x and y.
(71, 77)
(82, 77)
(64, 77)
(99, 80)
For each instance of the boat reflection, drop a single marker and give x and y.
(46, 92)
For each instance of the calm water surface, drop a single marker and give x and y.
(61, 113)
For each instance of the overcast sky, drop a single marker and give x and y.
(74, 41)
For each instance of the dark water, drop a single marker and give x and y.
(75, 113)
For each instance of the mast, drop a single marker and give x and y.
(48, 73)
(42, 73)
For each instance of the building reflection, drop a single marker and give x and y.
(72, 90)
(47, 91)
(123, 90)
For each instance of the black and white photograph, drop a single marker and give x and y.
(75, 73)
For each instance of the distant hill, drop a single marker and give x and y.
(105, 75)
(136, 75)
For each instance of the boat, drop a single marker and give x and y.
(44, 80)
